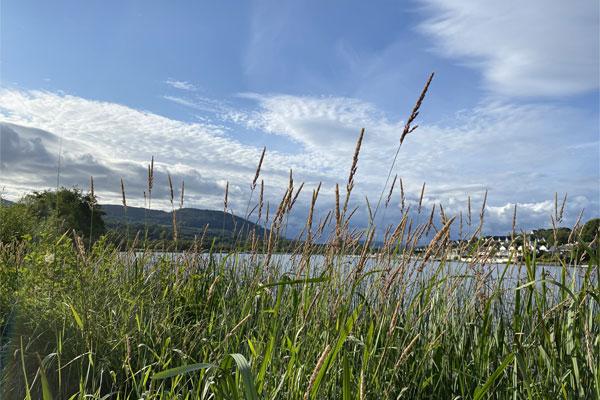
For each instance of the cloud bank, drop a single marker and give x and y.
(518, 153)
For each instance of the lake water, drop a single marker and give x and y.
(281, 264)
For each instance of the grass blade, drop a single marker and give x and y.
(479, 392)
(182, 370)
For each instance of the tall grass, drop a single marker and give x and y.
(98, 323)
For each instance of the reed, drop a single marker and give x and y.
(337, 317)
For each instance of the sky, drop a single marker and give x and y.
(203, 87)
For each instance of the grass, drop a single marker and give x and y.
(81, 323)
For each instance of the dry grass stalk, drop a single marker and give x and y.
(406, 351)
(514, 222)
(282, 207)
(482, 213)
(369, 208)
(128, 357)
(237, 327)
(469, 210)
(363, 257)
(338, 218)
(562, 209)
(150, 181)
(308, 226)
(421, 198)
(322, 224)
(92, 196)
(267, 215)
(123, 193)
(361, 389)
(430, 222)
(350, 184)
(295, 197)
(315, 194)
(254, 245)
(586, 329)
(181, 200)
(556, 207)
(316, 371)
(436, 239)
(252, 211)
(135, 241)
(399, 229)
(393, 321)
(278, 218)
(260, 201)
(212, 288)
(203, 236)
(354, 237)
(388, 230)
(402, 193)
(175, 233)
(262, 156)
(226, 195)
(80, 247)
(442, 214)
(170, 187)
(387, 201)
(407, 128)
(312, 304)
(417, 235)
(575, 226)
(554, 231)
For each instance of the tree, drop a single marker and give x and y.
(590, 230)
(67, 210)
(562, 235)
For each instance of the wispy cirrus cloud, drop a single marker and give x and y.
(184, 85)
(533, 48)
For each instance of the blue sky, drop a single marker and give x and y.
(203, 86)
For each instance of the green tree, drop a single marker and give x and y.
(67, 210)
(590, 230)
(562, 235)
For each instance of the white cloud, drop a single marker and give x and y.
(180, 84)
(326, 125)
(123, 140)
(519, 153)
(532, 48)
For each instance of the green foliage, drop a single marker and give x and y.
(562, 235)
(65, 211)
(590, 230)
(158, 327)
(15, 222)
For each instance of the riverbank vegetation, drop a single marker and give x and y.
(84, 319)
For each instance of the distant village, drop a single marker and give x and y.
(544, 243)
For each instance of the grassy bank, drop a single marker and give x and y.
(104, 325)
(90, 322)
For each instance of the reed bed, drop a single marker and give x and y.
(389, 322)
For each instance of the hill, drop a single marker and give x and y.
(224, 228)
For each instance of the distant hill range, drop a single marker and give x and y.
(191, 223)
